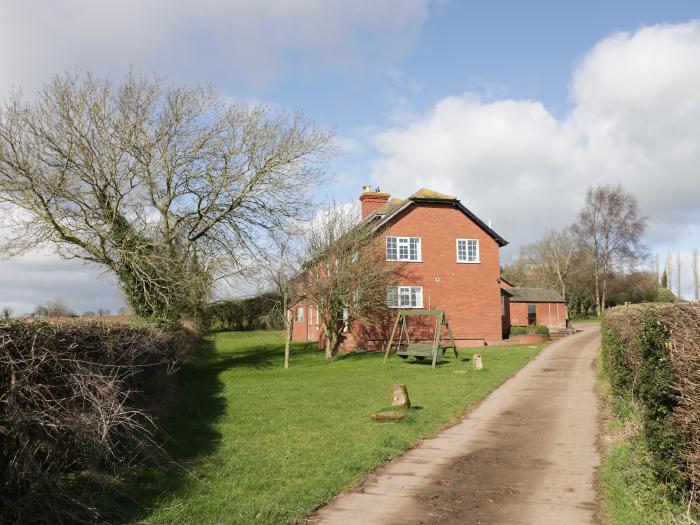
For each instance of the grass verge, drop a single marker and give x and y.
(629, 492)
(256, 443)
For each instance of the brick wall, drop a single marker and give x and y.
(468, 292)
(552, 315)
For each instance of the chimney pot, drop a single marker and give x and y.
(372, 200)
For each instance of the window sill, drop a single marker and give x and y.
(404, 260)
(405, 307)
(468, 262)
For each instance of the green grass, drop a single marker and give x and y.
(629, 492)
(257, 443)
(580, 320)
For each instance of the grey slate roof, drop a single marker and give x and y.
(535, 295)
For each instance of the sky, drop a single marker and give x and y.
(514, 107)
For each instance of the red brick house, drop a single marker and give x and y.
(530, 306)
(450, 261)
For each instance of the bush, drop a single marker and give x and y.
(75, 396)
(651, 355)
(251, 313)
(540, 329)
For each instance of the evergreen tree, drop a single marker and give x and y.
(664, 280)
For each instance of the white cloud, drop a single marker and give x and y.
(635, 120)
(35, 278)
(252, 41)
(225, 42)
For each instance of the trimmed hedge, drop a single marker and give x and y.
(75, 397)
(539, 329)
(651, 355)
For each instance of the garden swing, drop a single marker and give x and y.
(405, 347)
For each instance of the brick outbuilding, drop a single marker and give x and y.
(530, 306)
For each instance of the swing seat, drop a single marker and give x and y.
(418, 350)
(405, 347)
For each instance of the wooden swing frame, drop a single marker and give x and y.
(436, 349)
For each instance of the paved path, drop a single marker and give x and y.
(526, 455)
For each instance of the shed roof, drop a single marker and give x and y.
(535, 295)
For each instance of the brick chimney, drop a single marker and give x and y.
(372, 200)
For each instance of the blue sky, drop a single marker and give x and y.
(515, 107)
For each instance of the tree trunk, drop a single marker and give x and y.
(597, 293)
(331, 343)
(287, 344)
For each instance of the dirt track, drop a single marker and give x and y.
(526, 455)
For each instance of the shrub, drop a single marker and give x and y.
(250, 313)
(540, 329)
(518, 330)
(74, 396)
(651, 355)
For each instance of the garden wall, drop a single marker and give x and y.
(651, 354)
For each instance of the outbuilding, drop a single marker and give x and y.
(543, 306)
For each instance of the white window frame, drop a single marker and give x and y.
(300, 314)
(404, 242)
(404, 296)
(466, 251)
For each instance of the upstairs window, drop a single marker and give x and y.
(467, 251)
(405, 296)
(403, 249)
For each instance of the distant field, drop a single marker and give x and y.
(257, 443)
(114, 318)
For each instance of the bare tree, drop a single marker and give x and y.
(611, 227)
(553, 258)
(124, 311)
(57, 308)
(280, 267)
(678, 276)
(102, 312)
(655, 267)
(696, 275)
(668, 270)
(345, 275)
(169, 188)
(6, 312)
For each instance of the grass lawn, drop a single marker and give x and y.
(257, 443)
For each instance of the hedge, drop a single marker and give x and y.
(75, 396)
(539, 329)
(651, 354)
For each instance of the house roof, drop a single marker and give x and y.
(535, 295)
(424, 195)
(504, 280)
